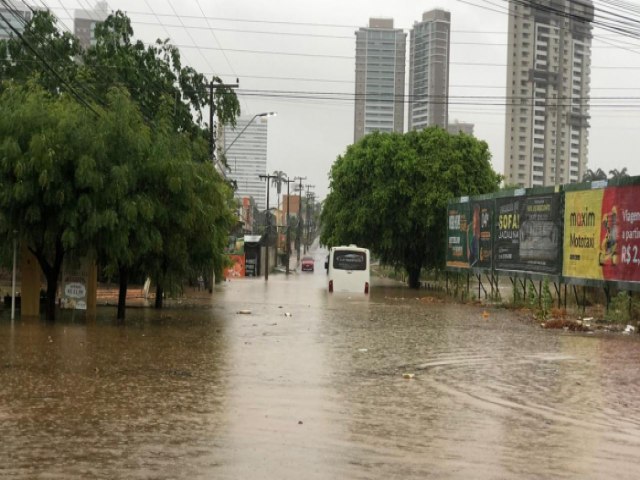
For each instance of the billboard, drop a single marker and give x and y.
(457, 235)
(75, 280)
(237, 269)
(602, 234)
(480, 238)
(528, 233)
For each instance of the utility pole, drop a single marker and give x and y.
(289, 225)
(299, 188)
(268, 226)
(310, 195)
(212, 111)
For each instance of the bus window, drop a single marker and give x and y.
(346, 260)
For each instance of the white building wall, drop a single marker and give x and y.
(247, 157)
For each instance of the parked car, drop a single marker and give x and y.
(307, 264)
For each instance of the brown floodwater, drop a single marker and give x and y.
(311, 386)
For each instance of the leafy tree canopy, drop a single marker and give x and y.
(152, 73)
(49, 176)
(22, 59)
(389, 193)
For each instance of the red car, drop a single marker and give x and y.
(307, 264)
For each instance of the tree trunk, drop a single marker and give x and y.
(159, 294)
(414, 277)
(122, 293)
(51, 273)
(52, 288)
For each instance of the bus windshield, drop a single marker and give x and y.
(349, 260)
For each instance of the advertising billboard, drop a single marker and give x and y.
(602, 234)
(237, 270)
(480, 238)
(457, 233)
(528, 233)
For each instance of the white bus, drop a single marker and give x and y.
(348, 269)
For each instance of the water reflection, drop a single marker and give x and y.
(310, 385)
(98, 400)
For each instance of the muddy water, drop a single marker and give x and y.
(206, 392)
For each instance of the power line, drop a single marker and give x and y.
(44, 62)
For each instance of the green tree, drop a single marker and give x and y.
(49, 177)
(127, 232)
(592, 176)
(617, 174)
(389, 193)
(22, 59)
(193, 208)
(152, 74)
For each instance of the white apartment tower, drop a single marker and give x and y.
(18, 14)
(429, 70)
(246, 156)
(84, 23)
(380, 77)
(548, 70)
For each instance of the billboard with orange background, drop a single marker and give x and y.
(237, 269)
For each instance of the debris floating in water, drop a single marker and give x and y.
(244, 312)
(363, 350)
(409, 376)
(287, 314)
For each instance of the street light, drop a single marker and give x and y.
(264, 114)
(268, 221)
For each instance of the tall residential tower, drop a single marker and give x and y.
(380, 76)
(429, 70)
(84, 23)
(548, 70)
(247, 157)
(18, 14)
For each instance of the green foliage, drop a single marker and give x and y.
(131, 183)
(546, 302)
(389, 193)
(19, 63)
(154, 75)
(49, 180)
(621, 308)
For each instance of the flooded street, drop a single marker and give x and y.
(311, 386)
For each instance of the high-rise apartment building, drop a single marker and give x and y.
(429, 70)
(17, 14)
(246, 156)
(457, 127)
(548, 71)
(84, 23)
(380, 77)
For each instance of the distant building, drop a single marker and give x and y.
(84, 23)
(429, 70)
(294, 204)
(457, 127)
(380, 77)
(247, 157)
(17, 14)
(548, 76)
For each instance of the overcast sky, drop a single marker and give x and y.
(296, 57)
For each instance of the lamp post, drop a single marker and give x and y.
(299, 188)
(212, 109)
(264, 114)
(268, 222)
(13, 275)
